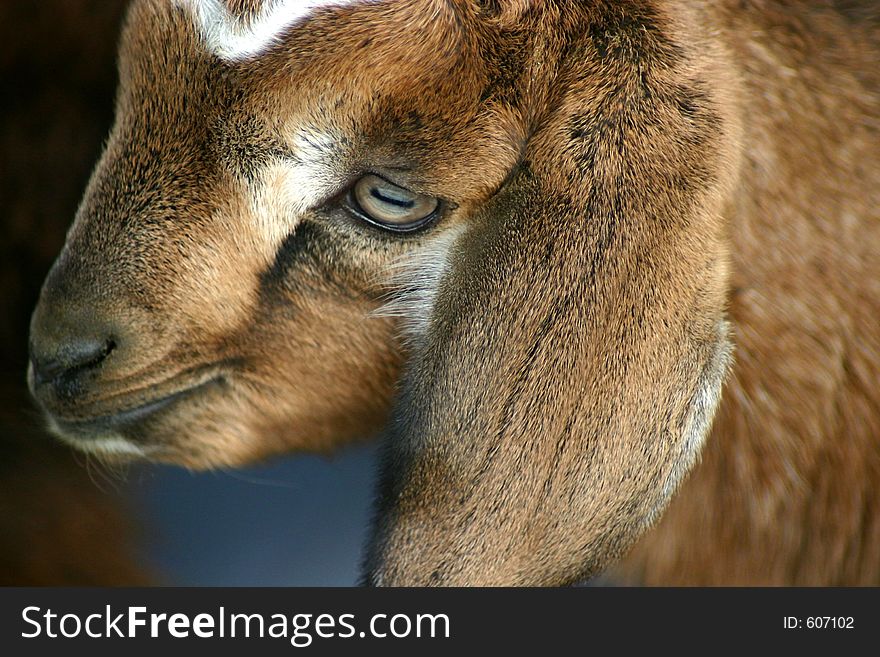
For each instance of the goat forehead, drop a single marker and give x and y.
(373, 48)
(253, 26)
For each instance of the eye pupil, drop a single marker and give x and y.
(390, 206)
(403, 203)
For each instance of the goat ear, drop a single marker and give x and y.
(576, 349)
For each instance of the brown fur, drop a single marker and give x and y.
(629, 188)
(789, 488)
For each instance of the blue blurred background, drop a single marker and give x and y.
(299, 521)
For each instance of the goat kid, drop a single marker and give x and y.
(523, 237)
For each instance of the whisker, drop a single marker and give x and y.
(259, 481)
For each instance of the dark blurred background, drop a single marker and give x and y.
(64, 520)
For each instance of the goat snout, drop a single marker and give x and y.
(113, 375)
(68, 346)
(62, 365)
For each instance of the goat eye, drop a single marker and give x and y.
(392, 207)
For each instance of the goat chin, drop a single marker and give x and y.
(606, 274)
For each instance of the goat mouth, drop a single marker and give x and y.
(110, 424)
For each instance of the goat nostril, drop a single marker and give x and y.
(71, 359)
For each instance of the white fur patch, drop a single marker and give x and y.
(415, 280)
(288, 188)
(234, 40)
(107, 445)
(312, 174)
(112, 446)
